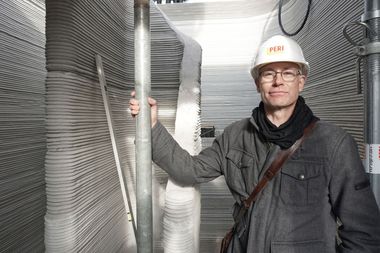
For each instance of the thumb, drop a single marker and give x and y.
(154, 110)
(152, 102)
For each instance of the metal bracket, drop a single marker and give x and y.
(367, 49)
(361, 49)
(365, 25)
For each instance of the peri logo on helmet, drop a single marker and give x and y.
(275, 50)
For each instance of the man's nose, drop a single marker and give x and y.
(278, 79)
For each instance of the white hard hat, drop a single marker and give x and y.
(279, 49)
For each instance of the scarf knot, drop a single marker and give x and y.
(286, 134)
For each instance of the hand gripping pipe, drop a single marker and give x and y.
(371, 17)
(143, 127)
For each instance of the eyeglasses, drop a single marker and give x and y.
(288, 75)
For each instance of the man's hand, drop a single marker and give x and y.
(135, 107)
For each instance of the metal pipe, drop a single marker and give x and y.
(371, 17)
(143, 127)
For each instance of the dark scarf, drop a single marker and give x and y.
(286, 134)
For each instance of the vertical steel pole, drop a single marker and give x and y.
(143, 127)
(371, 17)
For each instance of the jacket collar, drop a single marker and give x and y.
(253, 122)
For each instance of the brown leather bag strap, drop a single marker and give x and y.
(275, 166)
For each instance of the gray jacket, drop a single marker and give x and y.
(297, 212)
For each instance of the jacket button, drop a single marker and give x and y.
(301, 176)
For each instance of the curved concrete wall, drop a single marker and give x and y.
(22, 125)
(85, 211)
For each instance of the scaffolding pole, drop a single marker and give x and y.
(143, 127)
(371, 18)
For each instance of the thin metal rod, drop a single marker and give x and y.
(107, 107)
(143, 127)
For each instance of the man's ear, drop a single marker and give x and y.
(302, 81)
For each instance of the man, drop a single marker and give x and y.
(321, 183)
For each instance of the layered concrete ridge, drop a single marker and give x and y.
(22, 125)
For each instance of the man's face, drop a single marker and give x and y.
(277, 93)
